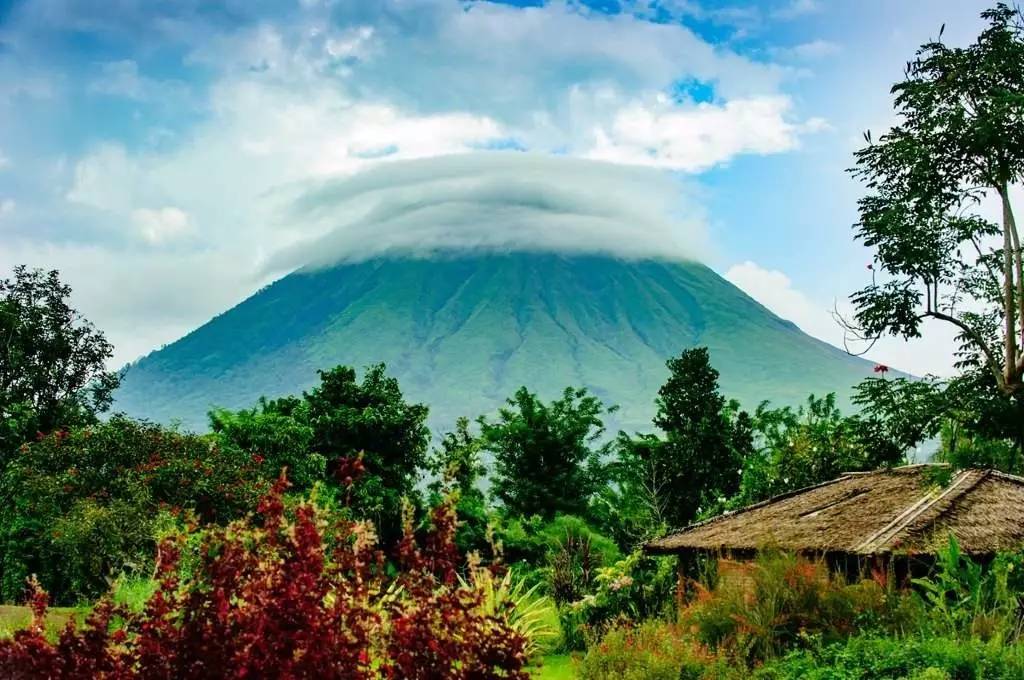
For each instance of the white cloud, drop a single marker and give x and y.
(5, 162)
(105, 179)
(524, 68)
(930, 354)
(698, 137)
(7, 206)
(139, 299)
(263, 137)
(774, 290)
(496, 201)
(160, 225)
(332, 90)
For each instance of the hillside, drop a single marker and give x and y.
(462, 333)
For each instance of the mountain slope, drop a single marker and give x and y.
(462, 333)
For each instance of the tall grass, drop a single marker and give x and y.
(784, 616)
(759, 610)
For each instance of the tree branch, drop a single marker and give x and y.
(990, 359)
(983, 261)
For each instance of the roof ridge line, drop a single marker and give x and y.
(916, 510)
(1005, 475)
(747, 508)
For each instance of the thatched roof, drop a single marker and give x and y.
(903, 510)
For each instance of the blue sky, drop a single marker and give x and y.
(155, 152)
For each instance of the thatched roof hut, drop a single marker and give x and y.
(907, 511)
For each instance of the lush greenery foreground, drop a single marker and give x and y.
(329, 534)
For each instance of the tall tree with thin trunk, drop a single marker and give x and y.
(959, 144)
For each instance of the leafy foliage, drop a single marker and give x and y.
(758, 611)
(81, 506)
(799, 447)
(545, 457)
(52, 361)
(270, 600)
(529, 542)
(522, 607)
(960, 137)
(890, 658)
(279, 433)
(636, 588)
(342, 420)
(697, 464)
(456, 466)
(966, 599)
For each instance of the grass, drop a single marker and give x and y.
(132, 592)
(555, 667)
(14, 618)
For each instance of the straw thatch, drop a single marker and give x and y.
(910, 510)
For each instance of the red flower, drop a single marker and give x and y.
(881, 368)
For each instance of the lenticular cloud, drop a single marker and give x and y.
(494, 201)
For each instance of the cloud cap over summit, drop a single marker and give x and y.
(495, 201)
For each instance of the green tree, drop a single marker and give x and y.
(546, 457)
(371, 419)
(896, 415)
(279, 433)
(52, 361)
(698, 461)
(457, 467)
(959, 140)
(795, 448)
(336, 422)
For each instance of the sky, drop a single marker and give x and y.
(172, 158)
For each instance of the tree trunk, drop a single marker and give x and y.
(1010, 225)
(1009, 298)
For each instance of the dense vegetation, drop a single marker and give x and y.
(328, 534)
(373, 529)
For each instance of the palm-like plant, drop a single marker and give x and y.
(508, 599)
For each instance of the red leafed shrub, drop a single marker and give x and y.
(269, 599)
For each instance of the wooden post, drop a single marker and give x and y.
(685, 563)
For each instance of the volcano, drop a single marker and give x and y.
(462, 333)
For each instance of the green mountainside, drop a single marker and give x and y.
(462, 333)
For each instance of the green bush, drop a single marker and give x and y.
(278, 432)
(655, 650)
(531, 545)
(890, 657)
(636, 588)
(80, 508)
(508, 598)
(966, 599)
(561, 557)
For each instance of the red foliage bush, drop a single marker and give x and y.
(269, 599)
